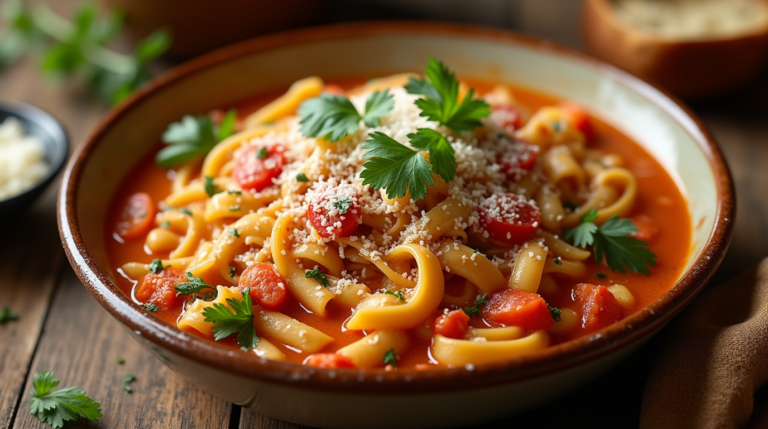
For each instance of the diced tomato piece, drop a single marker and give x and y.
(521, 157)
(508, 116)
(335, 212)
(516, 307)
(136, 216)
(334, 89)
(329, 361)
(253, 170)
(646, 228)
(579, 119)
(598, 305)
(267, 286)
(158, 289)
(454, 324)
(509, 218)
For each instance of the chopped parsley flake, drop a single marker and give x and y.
(150, 307)
(234, 233)
(156, 266)
(555, 312)
(317, 275)
(342, 205)
(301, 177)
(390, 358)
(262, 153)
(475, 310)
(397, 294)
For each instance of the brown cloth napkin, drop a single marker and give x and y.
(712, 359)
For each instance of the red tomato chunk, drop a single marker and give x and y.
(454, 324)
(267, 286)
(519, 159)
(598, 306)
(329, 361)
(646, 228)
(509, 218)
(136, 216)
(508, 116)
(335, 212)
(258, 165)
(158, 289)
(516, 307)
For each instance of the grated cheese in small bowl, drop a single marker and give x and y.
(22, 159)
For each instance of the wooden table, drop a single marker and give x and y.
(61, 328)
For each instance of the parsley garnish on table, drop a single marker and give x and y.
(333, 117)
(79, 47)
(192, 137)
(240, 322)
(195, 284)
(442, 103)
(60, 406)
(611, 241)
(7, 314)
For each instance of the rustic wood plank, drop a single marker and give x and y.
(81, 344)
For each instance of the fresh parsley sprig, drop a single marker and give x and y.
(442, 103)
(240, 322)
(333, 117)
(7, 314)
(390, 358)
(60, 406)
(192, 137)
(441, 155)
(611, 241)
(317, 275)
(475, 310)
(395, 167)
(79, 47)
(195, 284)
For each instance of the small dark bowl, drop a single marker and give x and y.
(42, 125)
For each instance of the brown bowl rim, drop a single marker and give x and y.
(549, 361)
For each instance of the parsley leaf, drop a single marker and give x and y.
(301, 177)
(195, 284)
(262, 153)
(233, 232)
(7, 314)
(232, 271)
(441, 154)
(584, 234)
(60, 406)
(192, 137)
(150, 307)
(129, 378)
(612, 241)
(398, 294)
(395, 167)
(165, 224)
(555, 312)
(377, 105)
(442, 99)
(342, 205)
(333, 117)
(317, 275)
(120, 361)
(155, 266)
(209, 186)
(240, 322)
(390, 358)
(234, 192)
(600, 276)
(475, 310)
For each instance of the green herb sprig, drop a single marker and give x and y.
(390, 358)
(475, 309)
(611, 241)
(317, 275)
(7, 314)
(240, 322)
(193, 137)
(79, 47)
(195, 284)
(333, 117)
(60, 406)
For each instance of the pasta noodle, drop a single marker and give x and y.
(342, 274)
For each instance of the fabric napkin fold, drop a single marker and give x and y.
(712, 359)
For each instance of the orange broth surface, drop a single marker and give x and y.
(658, 197)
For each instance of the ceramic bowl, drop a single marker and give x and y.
(51, 134)
(374, 398)
(692, 69)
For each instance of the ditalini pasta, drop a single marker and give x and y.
(408, 221)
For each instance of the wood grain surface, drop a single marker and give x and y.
(61, 328)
